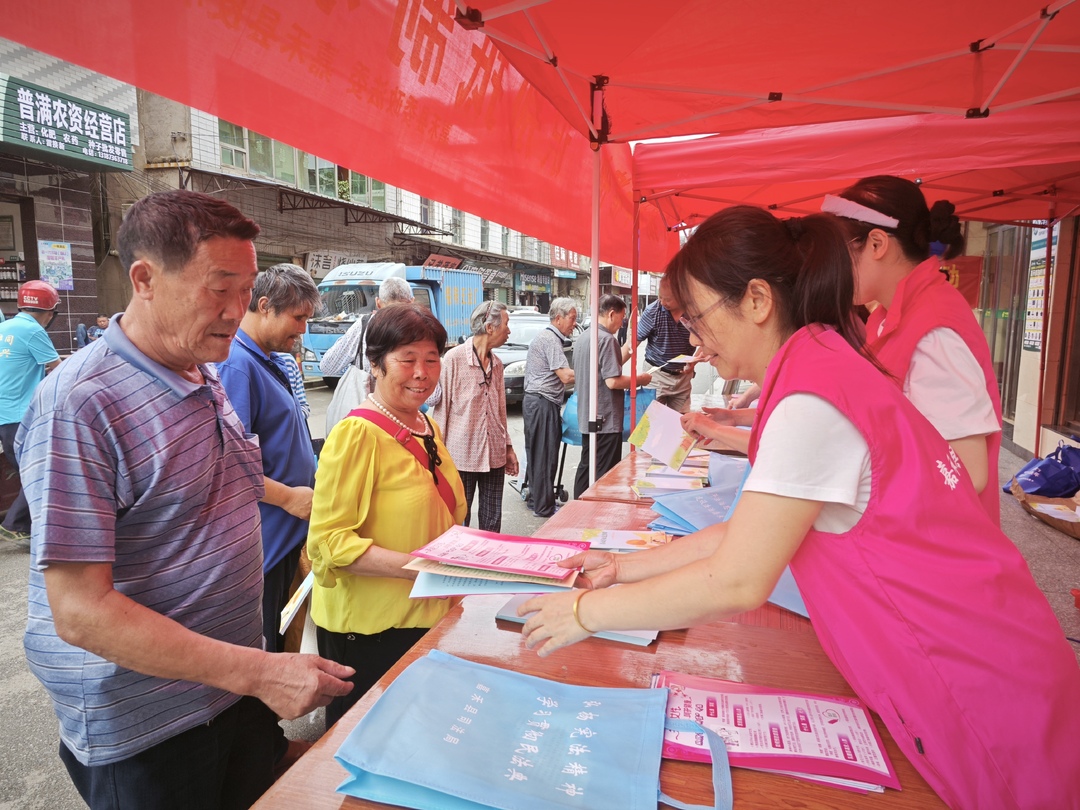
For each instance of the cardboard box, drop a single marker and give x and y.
(1030, 501)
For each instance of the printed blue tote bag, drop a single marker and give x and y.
(455, 735)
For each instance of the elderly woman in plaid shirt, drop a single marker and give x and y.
(472, 413)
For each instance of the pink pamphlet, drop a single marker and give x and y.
(472, 548)
(816, 737)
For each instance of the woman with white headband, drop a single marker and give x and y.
(923, 332)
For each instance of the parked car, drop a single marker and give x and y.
(524, 326)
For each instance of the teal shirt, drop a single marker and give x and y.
(25, 349)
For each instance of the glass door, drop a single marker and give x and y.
(1002, 301)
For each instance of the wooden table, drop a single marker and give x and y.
(614, 485)
(740, 652)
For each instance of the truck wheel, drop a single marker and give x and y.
(331, 382)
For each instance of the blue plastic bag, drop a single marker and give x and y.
(452, 734)
(571, 432)
(1055, 476)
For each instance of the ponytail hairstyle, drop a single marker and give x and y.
(921, 231)
(805, 261)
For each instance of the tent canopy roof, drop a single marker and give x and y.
(694, 66)
(1008, 167)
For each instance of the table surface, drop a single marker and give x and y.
(614, 485)
(740, 652)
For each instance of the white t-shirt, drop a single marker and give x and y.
(810, 450)
(947, 386)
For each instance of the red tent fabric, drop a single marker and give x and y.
(1003, 168)
(495, 120)
(718, 66)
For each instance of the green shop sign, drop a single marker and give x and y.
(41, 123)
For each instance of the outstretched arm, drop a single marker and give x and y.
(90, 613)
(740, 573)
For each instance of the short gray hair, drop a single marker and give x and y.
(395, 290)
(489, 313)
(285, 287)
(561, 307)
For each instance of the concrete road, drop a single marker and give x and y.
(31, 775)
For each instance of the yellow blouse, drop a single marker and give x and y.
(369, 489)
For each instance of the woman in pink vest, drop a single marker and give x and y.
(924, 332)
(924, 606)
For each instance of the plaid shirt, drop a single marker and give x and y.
(472, 411)
(666, 337)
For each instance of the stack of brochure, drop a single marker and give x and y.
(691, 511)
(620, 541)
(640, 638)
(656, 487)
(829, 740)
(465, 561)
(683, 513)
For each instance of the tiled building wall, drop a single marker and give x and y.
(56, 207)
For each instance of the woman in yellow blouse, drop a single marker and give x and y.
(386, 486)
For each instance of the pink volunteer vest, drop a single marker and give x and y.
(925, 300)
(927, 609)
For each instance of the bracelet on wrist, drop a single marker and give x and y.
(577, 618)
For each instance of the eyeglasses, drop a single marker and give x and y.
(691, 321)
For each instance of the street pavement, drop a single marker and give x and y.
(31, 774)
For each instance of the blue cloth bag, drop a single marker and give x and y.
(1055, 476)
(452, 734)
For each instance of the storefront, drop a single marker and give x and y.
(533, 287)
(564, 282)
(498, 281)
(616, 281)
(51, 148)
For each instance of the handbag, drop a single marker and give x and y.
(452, 734)
(1055, 476)
(352, 388)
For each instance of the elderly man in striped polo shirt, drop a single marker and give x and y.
(659, 324)
(146, 563)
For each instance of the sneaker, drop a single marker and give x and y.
(13, 536)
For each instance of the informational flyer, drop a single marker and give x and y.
(623, 539)
(55, 261)
(472, 548)
(777, 730)
(660, 434)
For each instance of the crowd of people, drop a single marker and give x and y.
(173, 495)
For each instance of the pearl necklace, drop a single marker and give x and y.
(402, 425)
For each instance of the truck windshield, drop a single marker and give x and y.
(346, 303)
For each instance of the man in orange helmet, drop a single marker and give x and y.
(26, 356)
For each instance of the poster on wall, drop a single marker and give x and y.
(55, 259)
(1037, 285)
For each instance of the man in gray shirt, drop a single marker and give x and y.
(546, 375)
(609, 394)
